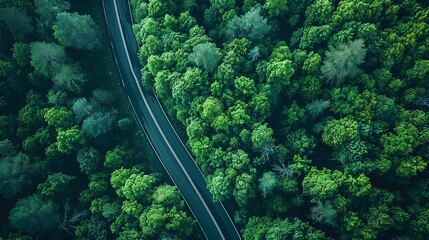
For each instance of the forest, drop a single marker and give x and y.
(73, 164)
(308, 118)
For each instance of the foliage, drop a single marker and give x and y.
(89, 160)
(70, 78)
(125, 123)
(251, 25)
(205, 55)
(120, 156)
(304, 116)
(92, 228)
(21, 53)
(47, 58)
(99, 123)
(59, 117)
(265, 228)
(262, 136)
(33, 215)
(82, 109)
(276, 8)
(7, 148)
(48, 9)
(323, 213)
(164, 209)
(56, 185)
(79, 31)
(16, 172)
(317, 107)
(336, 132)
(268, 183)
(18, 22)
(342, 61)
(70, 140)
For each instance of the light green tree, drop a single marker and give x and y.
(268, 183)
(47, 58)
(59, 117)
(205, 55)
(69, 77)
(78, 31)
(70, 140)
(342, 61)
(337, 132)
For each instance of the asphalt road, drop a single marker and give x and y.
(178, 162)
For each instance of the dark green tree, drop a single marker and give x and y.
(18, 22)
(317, 107)
(266, 228)
(92, 228)
(21, 53)
(7, 148)
(56, 186)
(16, 172)
(89, 160)
(48, 9)
(126, 123)
(323, 213)
(34, 215)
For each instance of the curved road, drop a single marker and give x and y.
(178, 162)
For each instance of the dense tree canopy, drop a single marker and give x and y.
(308, 118)
(301, 114)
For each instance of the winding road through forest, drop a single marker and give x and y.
(178, 162)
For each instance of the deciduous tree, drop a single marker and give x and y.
(120, 156)
(336, 132)
(70, 140)
(59, 117)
